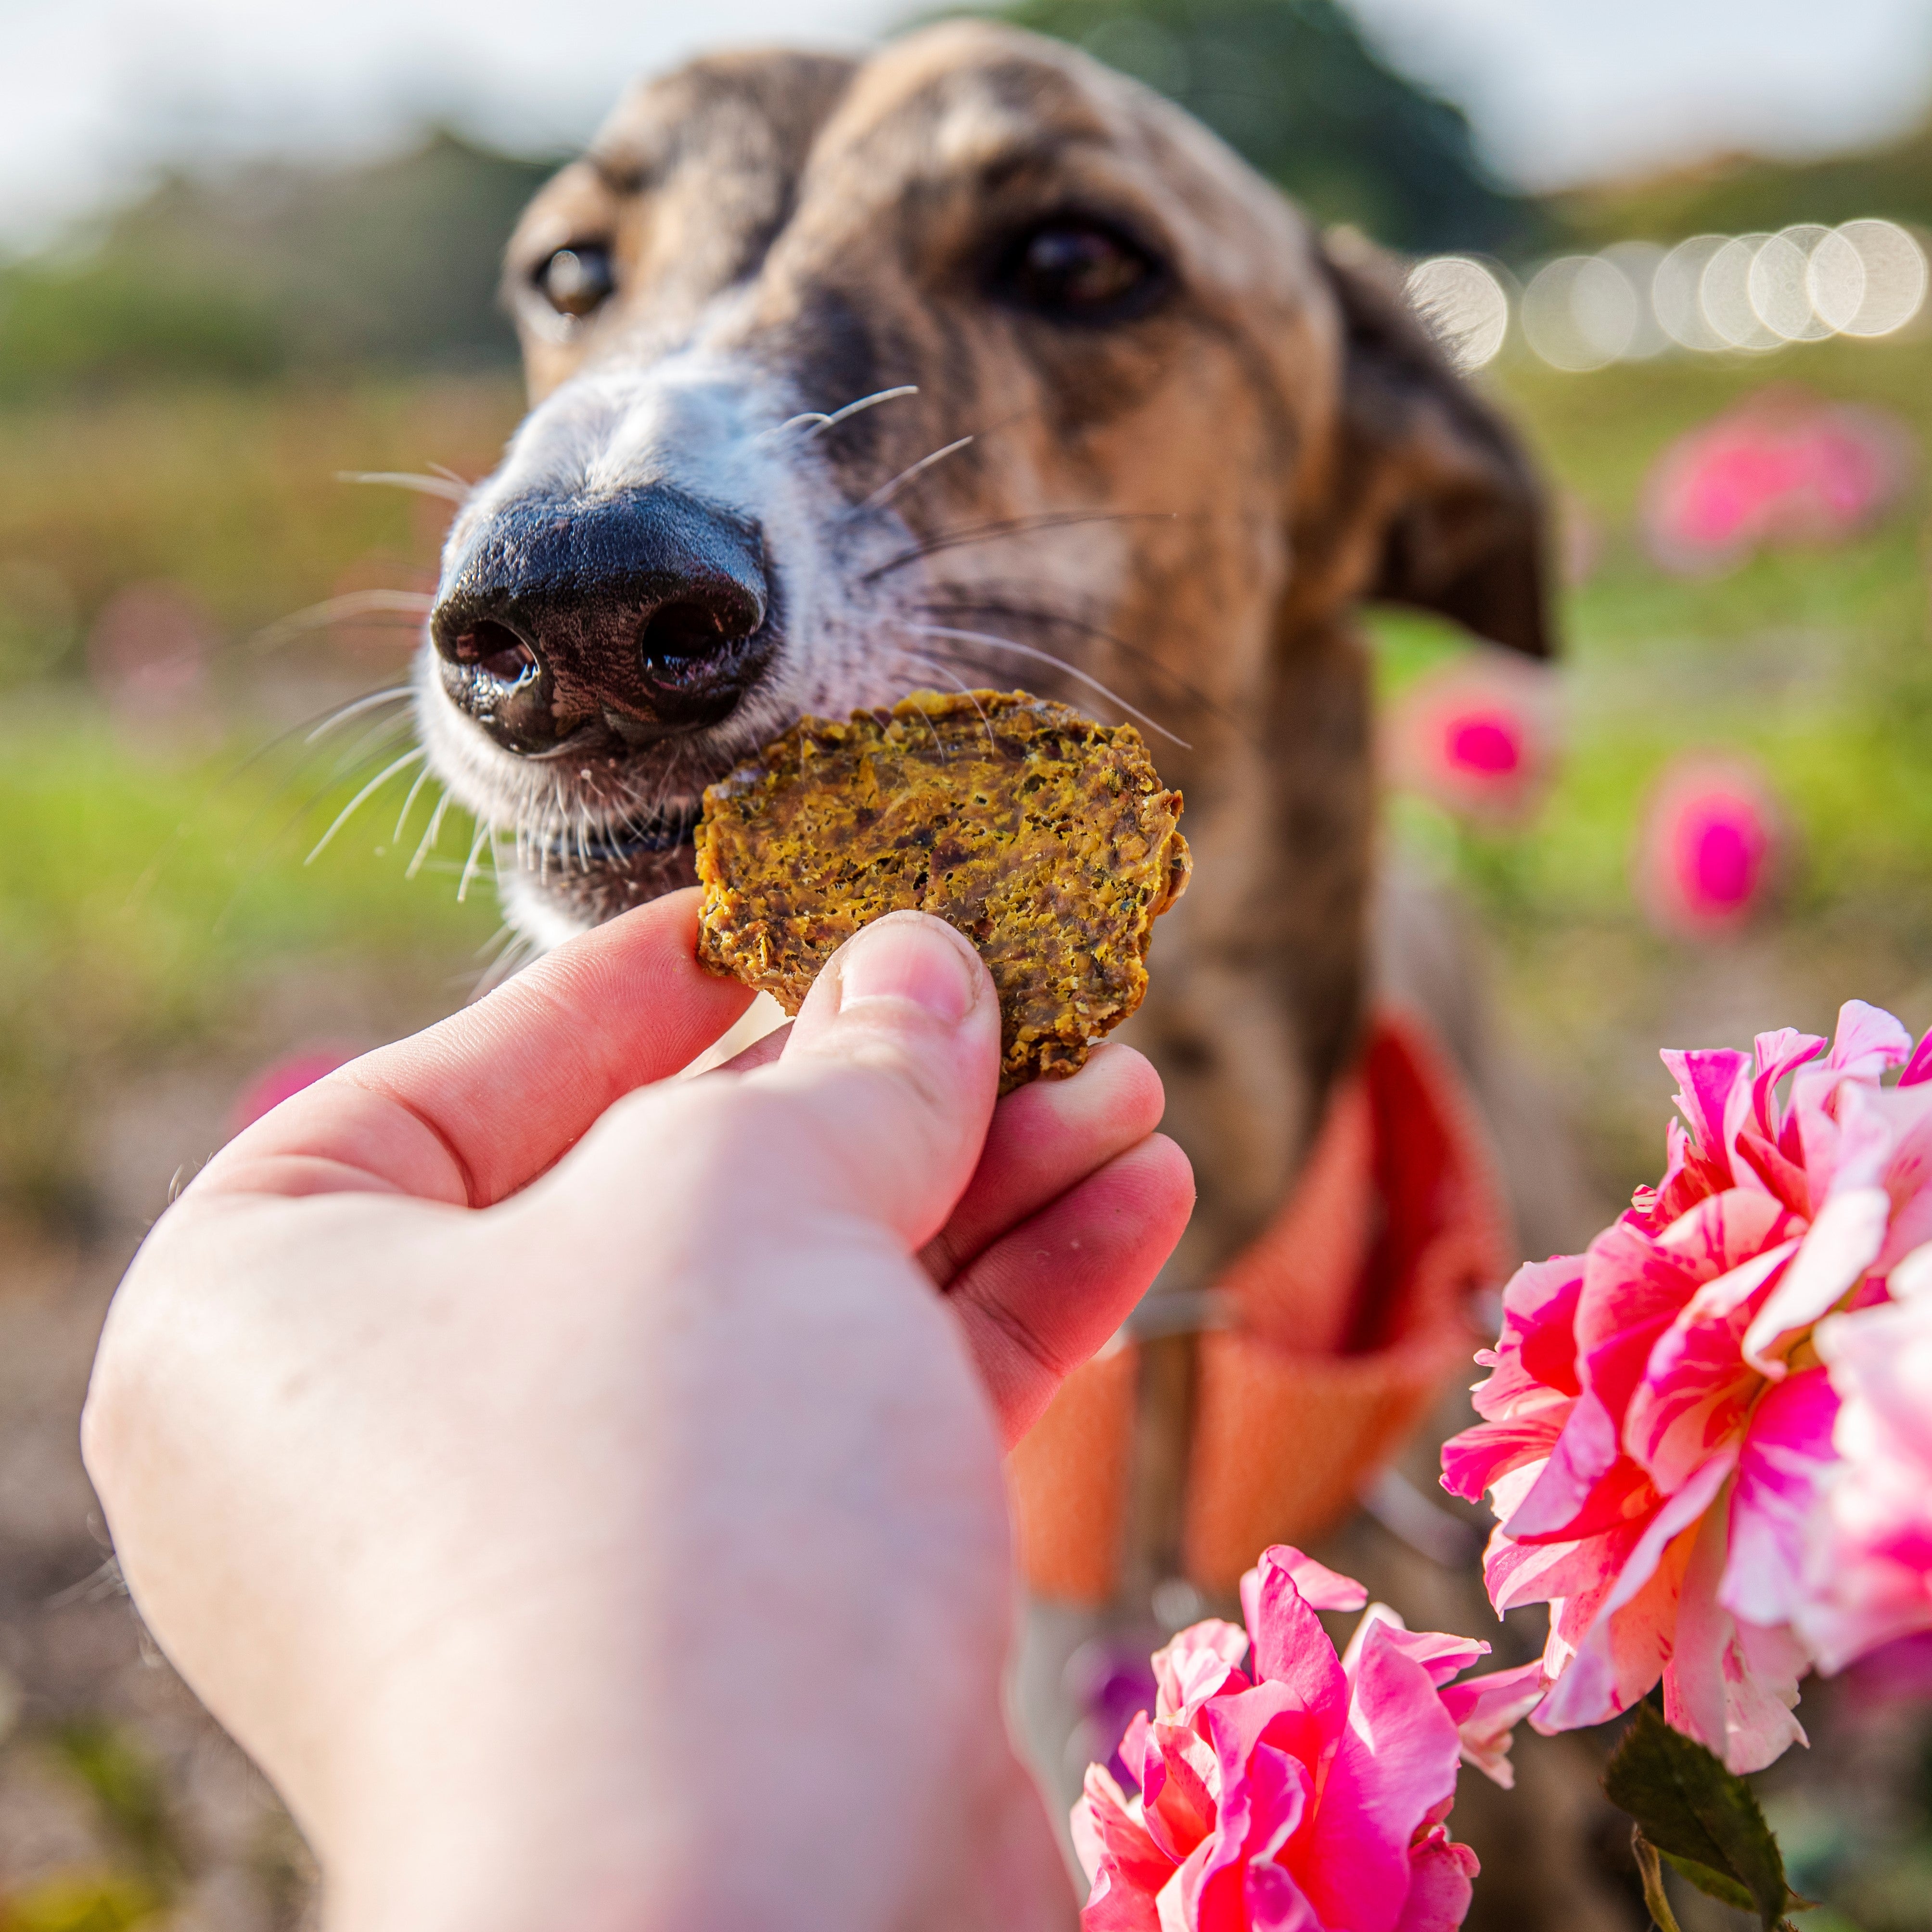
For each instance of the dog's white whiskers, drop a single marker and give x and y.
(1047, 657)
(506, 953)
(454, 489)
(429, 838)
(962, 602)
(409, 805)
(938, 742)
(350, 810)
(483, 831)
(1010, 527)
(341, 714)
(348, 768)
(964, 690)
(823, 422)
(320, 722)
(886, 491)
(375, 744)
(352, 604)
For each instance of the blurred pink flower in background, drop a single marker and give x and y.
(1657, 1429)
(1112, 1678)
(148, 650)
(1871, 1559)
(1709, 848)
(1781, 468)
(288, 1074)
(1897, 1673)
(1477, 736)
(1309, 1797)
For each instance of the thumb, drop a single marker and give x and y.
(894, 1057)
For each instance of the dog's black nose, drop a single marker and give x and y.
(640, 615)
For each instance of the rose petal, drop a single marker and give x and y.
(1706, 1080)
(1868, 1041)
(1440, 1655)
(1735, 1697)
(1623, 1651)
(1319, 1587)
(1782, 1469)
(1195, 1666)
(1697, 1389)
(1395, 1762)
(1486, 1711)
(1843, 1242)
(1911, 1277)
(1439, 1891)
(1291, 1648)
(1869, 1568)
(1123, 1865)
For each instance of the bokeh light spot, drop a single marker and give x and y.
(1465, 305)
(1895, 277)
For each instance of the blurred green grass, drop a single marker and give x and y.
(147, 905)
(230, 490)
(1814, 661)
(152, 885)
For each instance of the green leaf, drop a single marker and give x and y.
(1712, 1884)
(1699, 1816)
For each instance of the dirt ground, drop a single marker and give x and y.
(120, 1799)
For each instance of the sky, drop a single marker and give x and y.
(95, 94)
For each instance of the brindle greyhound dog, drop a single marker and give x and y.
(972, 362)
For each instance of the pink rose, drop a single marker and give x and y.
(1657, 1430)
(1478, 736)
(1871, 1559)
(1709, 848)
(1310, 1796)
(1781, 469)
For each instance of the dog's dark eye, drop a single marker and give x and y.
(1079, 270)
(574, 281)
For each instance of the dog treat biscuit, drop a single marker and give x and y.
(1049, 840)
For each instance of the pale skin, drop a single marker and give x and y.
(580, 1491)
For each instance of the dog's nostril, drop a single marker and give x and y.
(674, 634)
(496, 649)
(642, 615)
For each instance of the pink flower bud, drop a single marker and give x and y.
(1709, 848)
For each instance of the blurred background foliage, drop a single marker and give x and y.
(1295, 88)
(180, 386)
(275, 270)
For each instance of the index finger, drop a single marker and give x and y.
(474, 1109)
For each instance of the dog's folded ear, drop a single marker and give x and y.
(1433, 502)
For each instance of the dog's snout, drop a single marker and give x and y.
(633, 617)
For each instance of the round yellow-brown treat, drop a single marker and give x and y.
(1049, 840)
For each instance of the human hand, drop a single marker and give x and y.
(569, 1488)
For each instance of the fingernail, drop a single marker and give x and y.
(909, 960)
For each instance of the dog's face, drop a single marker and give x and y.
(972, 364)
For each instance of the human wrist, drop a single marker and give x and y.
(456, 1814)
(453, 1869)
